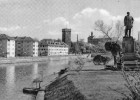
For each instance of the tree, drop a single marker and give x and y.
(104, 28)
(74, 48)
(110, 32)
(114, 48)
(119, 30)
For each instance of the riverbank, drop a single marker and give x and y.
(88, 85)
(33, 59)
(92, 83)
(63, 89)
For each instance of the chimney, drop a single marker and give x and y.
(77, 38)
(91, 33)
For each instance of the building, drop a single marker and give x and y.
(90, 38)
(26, 46)
(96, 41)
(48, 48)
(66, 36)
(7, 46)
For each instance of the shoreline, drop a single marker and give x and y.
(86, 85)
(17, 60)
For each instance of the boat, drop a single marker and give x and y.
(32, 91)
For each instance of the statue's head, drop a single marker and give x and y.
(128, 13)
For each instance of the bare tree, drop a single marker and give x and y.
(119, 30)
(110, 31)
(104, 28)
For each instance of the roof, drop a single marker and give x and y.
(66, 29)
(53, 43)
(29, 39)
(5, 37)
(46, 40)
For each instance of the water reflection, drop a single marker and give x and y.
(13, 78)
(35, 71)
(10, 80)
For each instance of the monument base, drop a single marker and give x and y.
(128, 45)
(130, 57)
(128, 48)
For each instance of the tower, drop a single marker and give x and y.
(66, 36)
(77, 38)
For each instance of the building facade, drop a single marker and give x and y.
(66, 36)
(50, 48)
(96, 41)
(26, 46)
(7, 46)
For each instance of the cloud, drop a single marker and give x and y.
(10, 1)
(60, 20)
(137, 19)
(95, 14)
(53, 28)
(57, 21)
(104, 12)
(86, 12)
(46, 21)
(8, 29)
(83, 21)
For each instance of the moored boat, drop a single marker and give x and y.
(32, 91)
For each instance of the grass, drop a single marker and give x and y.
(100, 85)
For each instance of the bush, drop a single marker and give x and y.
(98, 59)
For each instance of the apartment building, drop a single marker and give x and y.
(48, 48)
(7, 46)
(26, 46)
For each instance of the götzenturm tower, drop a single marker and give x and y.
(66, 36)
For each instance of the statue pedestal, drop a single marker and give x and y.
(128, 48)
(128, 45)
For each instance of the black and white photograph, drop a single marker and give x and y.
(69, 49)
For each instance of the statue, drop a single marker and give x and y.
(128, 23)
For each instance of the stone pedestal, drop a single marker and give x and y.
(128, 45)
(128, 48)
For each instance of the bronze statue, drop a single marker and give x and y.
(128, 23)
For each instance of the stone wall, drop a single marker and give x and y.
(63, 89)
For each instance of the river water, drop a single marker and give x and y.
(14, 77)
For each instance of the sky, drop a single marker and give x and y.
(45, 18)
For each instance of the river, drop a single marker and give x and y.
(14, 77)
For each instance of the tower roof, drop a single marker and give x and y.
(66, 29)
